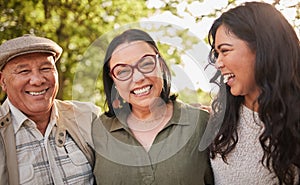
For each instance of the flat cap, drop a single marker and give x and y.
(27, 44)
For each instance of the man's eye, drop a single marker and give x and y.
(25, 71)
(46, 69)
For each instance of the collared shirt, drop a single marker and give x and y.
(173, 158)
(40, 160)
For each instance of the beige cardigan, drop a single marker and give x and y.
(74, 117)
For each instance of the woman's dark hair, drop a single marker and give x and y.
(277, 74)
(129, 36)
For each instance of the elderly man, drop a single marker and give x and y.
(42, 140)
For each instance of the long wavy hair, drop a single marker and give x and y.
(277, 74)
(129, 36)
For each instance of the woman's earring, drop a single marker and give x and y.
(116, 103)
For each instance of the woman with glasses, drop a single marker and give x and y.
(146, 136)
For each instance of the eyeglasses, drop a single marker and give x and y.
(145, 65)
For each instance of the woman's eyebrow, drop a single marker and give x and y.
(223, 44)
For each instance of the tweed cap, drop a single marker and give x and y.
(27, 44)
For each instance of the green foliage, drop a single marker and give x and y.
(75, 25)
(72, 24)
(193, 97)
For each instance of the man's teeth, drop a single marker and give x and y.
(37, 93)
(141, 91)
(227, 77)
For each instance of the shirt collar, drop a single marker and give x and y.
(19, 117)
(177, 119)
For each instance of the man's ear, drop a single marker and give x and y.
(2, 81)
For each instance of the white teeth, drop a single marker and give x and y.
(227, 76)
(141, 91)
(37, 93)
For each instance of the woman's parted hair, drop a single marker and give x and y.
(129, 36)
(277, 74)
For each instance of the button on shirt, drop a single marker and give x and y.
(41, 160)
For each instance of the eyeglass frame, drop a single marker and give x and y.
(135, 66)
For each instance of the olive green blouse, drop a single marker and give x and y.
(173, 158)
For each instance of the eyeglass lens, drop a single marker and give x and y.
(144, 65)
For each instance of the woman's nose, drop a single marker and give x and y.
(137, 75)
(219, 64)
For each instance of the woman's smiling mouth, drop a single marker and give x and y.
(227, 77)
(142, 91)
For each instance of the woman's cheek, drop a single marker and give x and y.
(123, 89)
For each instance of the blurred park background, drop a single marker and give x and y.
(76, 24)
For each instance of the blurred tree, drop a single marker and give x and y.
(72, 24)
(75, 25)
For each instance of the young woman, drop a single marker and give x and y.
(146, 136)
(257, 53)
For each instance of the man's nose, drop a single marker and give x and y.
(37, 78)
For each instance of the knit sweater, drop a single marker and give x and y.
(244, 162)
